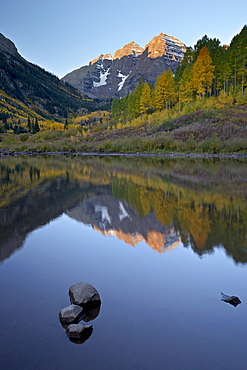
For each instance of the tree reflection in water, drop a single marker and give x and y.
(199, 202)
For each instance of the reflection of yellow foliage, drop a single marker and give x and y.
(198, 224)
(145, 200)
(191, 209)
(164, 210)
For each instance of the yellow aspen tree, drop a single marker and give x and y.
(164, 90)
(159, 92)
(170, 94)
(202, 73)
(146, 99)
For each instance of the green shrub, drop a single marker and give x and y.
(211, 144)
(168, 143)
(23, 137)
(11, 139)
(23, 148)
(106, 145)
(181, 146)
(236, 144)
(72, 131)
(191, 143)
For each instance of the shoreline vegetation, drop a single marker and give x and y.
(205, 130)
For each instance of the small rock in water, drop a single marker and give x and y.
(233, 300)
(82, 293)
(70, 314)
(79, 333)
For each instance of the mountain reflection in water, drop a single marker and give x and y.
(163, 202)
(113, 217)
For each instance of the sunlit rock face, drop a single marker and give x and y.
(112, 217)
(116, 75)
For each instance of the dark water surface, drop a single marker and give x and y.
(159, 239)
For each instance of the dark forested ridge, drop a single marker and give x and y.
(23, 84)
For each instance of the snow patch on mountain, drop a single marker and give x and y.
(124, 77)
(103, 78)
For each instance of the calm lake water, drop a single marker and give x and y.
(160, 239)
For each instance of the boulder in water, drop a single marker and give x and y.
(83, 293)
(70, 314)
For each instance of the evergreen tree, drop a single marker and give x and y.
(35, 126)
(115, 108)
(6, 125)
(29, 124)
(187, 60)
(65, 127)
(223, 71)
(170, 95)
(123, 107)
(213, 46)
(134, 101)
(16, 129)
(238, 59)
(185, 85)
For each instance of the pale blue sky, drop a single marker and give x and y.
(62, 35)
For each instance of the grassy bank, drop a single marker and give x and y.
(209, 131)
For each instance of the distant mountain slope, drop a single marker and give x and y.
(23, 84)
(115, 75)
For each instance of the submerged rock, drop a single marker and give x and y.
(70, 314)
(83, 293)
(233, 300)
(79, 333)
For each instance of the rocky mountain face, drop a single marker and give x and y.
(7, 46)
(23, 83)
(116, 75)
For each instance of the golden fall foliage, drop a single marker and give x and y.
(164, 90)
(202, 73)
(146, 98)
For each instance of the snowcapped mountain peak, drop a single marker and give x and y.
(164, 44)
(116, 75)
